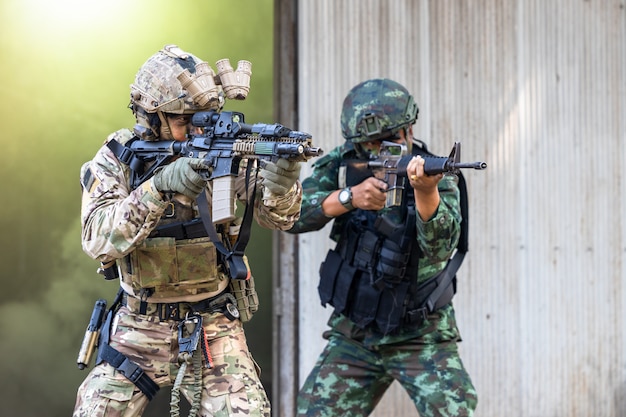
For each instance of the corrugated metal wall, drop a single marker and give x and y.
(537, 89)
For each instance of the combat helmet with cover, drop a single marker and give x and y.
(377, 109)
(173, 81)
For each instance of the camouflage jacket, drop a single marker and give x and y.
(437, 237)
(116, 219)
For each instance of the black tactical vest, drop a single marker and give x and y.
(371, 275)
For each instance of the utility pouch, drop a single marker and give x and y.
(366, 254)
(390, 307)
(336, 277)
(245, 293)
(170, 267)
(328, 274)
(364, 304)
(391, 266)
(109, 270)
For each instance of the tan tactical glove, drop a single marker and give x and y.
(279, 177)
(181, 177)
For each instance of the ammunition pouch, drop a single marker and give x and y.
(392, 264)
(165, 267)
(246, 297)
(370, 275)
(366, 251)
(350, 291)
(336, 276)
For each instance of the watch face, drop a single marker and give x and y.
(344, 196)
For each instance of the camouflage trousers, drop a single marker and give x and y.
(230, 388)
(350, 378)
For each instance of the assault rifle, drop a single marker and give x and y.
(391, 163)
(225, 140)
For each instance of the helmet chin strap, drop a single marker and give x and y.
(408, 138)
(165, 133)
(147, 126)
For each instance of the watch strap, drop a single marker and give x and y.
(347, 204)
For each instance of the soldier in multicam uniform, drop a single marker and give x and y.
(384, 265)
(165, 280)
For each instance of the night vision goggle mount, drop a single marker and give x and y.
(202, 85)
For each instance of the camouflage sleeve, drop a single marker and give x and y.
(438, 236)
(271, 211)
(322, 181)
(114, 218)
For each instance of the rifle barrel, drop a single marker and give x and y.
(472, 165)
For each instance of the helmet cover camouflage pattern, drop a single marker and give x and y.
(173, 81)
(376, 109)
(160, 83)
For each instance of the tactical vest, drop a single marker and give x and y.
(368, 274)
(171, 263)
(371, 275)
(185, 257)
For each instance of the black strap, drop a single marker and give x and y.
(129, 369)
(236, 266)
(463, 239)
(137, 164)
(118, 360)
(449, 273)
(447, 277)
(126, 155)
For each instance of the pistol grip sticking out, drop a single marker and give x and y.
(91, 334)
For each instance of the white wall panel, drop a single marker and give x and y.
(538, 90)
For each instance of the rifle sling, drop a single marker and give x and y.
(449, 273)
(237, 268)
(455, 262)
(127, 156)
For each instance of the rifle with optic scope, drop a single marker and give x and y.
(223, 142)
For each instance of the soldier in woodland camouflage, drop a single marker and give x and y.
(171, 275)
(386, 262)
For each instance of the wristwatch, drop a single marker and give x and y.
(345, 198)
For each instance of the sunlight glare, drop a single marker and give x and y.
(72, 14)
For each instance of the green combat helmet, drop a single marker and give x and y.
(173, 81)
(376, 109)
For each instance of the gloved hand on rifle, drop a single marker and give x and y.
(279, 177)
(181, 176)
